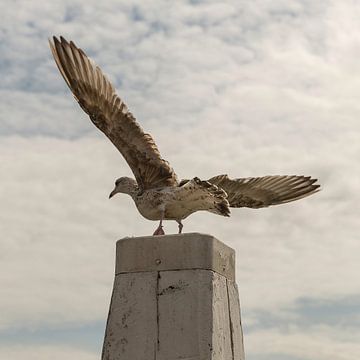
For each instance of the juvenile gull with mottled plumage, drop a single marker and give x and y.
(156, 191)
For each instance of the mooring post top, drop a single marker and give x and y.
(174, 252)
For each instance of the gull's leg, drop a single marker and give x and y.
(159, 230)
(180, 226)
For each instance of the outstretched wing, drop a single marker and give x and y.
(97, 97)
(265, 191)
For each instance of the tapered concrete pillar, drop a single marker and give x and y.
(174, 297)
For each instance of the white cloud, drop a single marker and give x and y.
(247, 88)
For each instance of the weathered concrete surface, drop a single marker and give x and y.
(171, 252)
(185, 311)
(131, 331)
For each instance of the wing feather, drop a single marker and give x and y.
(97, 97)
(265, 191)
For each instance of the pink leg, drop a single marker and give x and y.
(159, 230)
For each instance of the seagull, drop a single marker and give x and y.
(156, 190)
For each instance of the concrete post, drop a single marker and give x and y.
(174, 297)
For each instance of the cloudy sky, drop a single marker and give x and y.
(247, 88)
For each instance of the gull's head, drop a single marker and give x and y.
(124, 185)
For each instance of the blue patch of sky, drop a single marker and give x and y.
(196, 2)
(345, 311)
(136, 14)
(68, 133)
(72, 13)
(31, 24)
(274, 356)
(88, 336)
(310, 312)
(158, 26)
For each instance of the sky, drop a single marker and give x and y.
(247, 88)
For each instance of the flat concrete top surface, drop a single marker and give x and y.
(174, 252)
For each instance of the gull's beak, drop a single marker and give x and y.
(112, 193)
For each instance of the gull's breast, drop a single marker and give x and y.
(151, 204)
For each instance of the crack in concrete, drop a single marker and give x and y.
(230, 320)
(157, 313)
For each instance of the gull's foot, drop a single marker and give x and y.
(159, 231)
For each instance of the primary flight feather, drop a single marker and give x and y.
(156, 190)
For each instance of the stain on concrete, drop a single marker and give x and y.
(174, 288)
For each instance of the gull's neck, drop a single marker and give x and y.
(133, 190)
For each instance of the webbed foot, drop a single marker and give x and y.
(159, 231)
